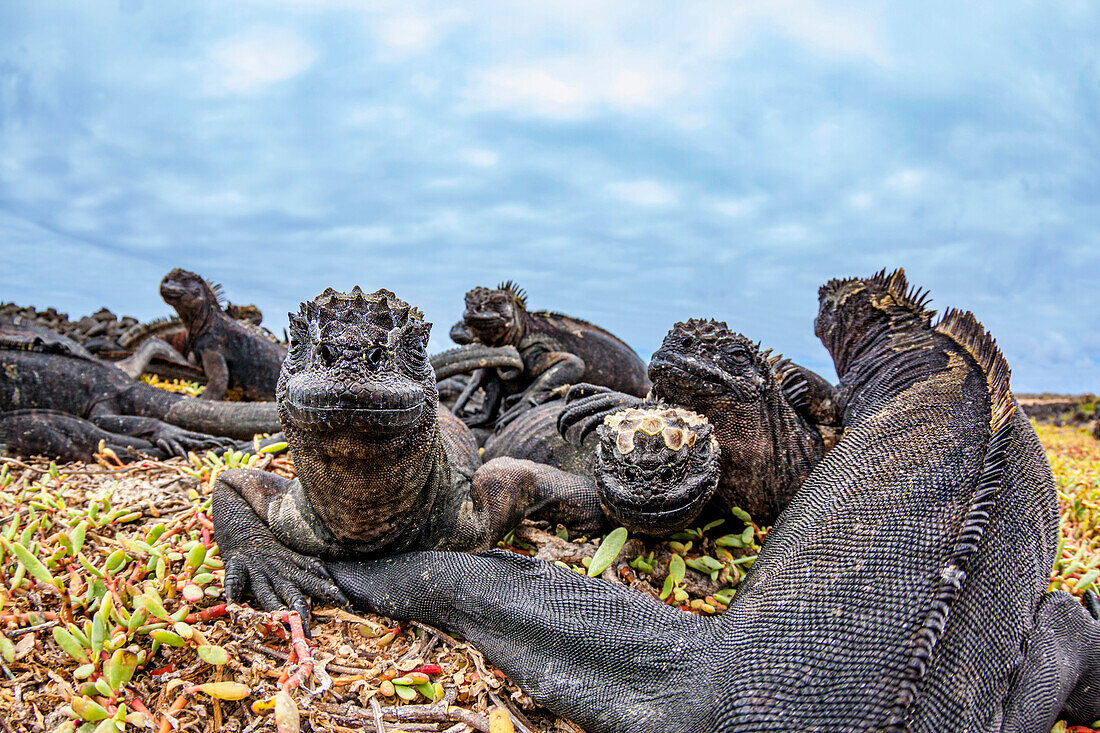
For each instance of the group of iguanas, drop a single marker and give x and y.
(902, 586)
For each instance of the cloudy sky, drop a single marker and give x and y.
(631, 163)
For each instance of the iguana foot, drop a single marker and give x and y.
(524, 403)
(176, 441)
(254, 556)
(280, 578)
(586, 407)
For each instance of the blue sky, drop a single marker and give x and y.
(631, 163)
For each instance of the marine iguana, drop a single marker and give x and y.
(556, 350)
(904, 588)
(59, 400)
(382, 468)
(759, 405)
(233, 353)
(655, 468)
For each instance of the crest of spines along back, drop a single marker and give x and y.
(381, 309)
(892, 293)
(515, 292)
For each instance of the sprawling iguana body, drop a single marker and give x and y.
(557, 350)
(904, 588)
(655, 468)
(56, 399)
(757, 403)
(233, 353)
(381, 466)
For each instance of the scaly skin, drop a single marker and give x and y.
(381, 467)
(233, 353)
(768, 448)
(557, 350)
(58, 400)
(655, 468)
(904, 588)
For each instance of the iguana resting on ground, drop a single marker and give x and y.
(654, 468)
(233, 353)
(381, 466)
(556, 350)
(758, 404)
(56, 399)
(904, 588)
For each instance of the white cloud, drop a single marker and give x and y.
(861, 200)
(643, 193)
(572, 88)
(479, 157)
(789, 232)
(248, 63)
(407, 34)
(739, 207)
(906, 181)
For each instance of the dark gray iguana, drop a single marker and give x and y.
(760, 406)
(556, 349)
(655, 468)
(904, 588)
(56, 399)
(233, 353)
(381, 466)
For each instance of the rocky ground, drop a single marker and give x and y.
(119, 559)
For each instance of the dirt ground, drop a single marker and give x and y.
(119, 558)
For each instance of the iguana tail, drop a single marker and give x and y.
(471, 357)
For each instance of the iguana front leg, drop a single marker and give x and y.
(604, 656)
(269, 542)
(551, 369)
(506, 490)
(1060, 675)
(67, 437)
(217, 375)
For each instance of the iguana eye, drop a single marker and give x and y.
(326, 353)
(665, 473)
(738, 355)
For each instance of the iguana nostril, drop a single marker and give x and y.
(375, 355)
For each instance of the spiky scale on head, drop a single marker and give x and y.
(676, 426)
(382, 308)
(886, 291)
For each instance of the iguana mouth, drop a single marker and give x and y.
(638, 514)
(371, 411)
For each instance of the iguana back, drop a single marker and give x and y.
(896, 591)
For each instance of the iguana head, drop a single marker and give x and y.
(356, 371)
(188, 293)
(493, 315)
(248, 313)
(854, 312)
(656, 467)
(701, 361)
